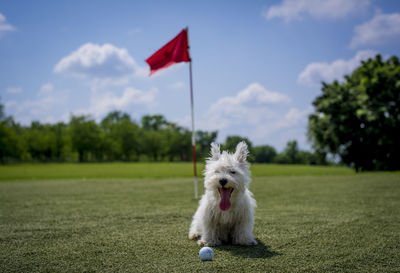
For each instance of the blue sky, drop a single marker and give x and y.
(257, 65)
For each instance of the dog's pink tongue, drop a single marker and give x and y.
(225, 202)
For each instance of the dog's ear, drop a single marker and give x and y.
(241, 152)
(215, 151)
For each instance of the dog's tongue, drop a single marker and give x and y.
(225, 202)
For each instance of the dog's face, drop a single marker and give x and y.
(227, 175)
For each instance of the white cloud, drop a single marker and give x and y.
(255, 93)
(254, 112)
(51, 104)
(14, 90)
(44, 107)
(294, 9)
(315, 73)
(382, 29)
(293, 120)
(104, 102)
(274, 125)
(100, 62)
(249, 106)
(4, 25)
(293, 117)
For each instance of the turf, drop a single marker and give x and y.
(145, 170)
(330, 223)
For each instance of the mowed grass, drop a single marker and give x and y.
(145, 170)
(303, 223)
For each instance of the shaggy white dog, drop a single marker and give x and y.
(226, 209)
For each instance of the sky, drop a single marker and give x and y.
(257, 65)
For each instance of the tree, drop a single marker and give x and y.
(11, 144)
(292, 151)
(59, 131)
(177, 142)
(153, 142)
(117, 137)
(85, 137)
(359, 119)
(203, 143)
(121, 136)
(306, 157)
(129, 137)
(41, 141)
(2, 114)
(290, 154)
(232, 141)
(264, 154)
(153, 122)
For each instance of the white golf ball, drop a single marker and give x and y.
(206, 253)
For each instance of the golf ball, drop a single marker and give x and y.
(206, 253)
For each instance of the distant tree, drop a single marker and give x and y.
(59, 132)
(177, 142)
(121, 137)
(203, 143)
(86, 137)
(152, 144)
(292, 151)
(153, 122)
(153, 140)
(293, 155)
(359, 119)
(11, 144)
(232, 141)
(264, 154)
(290, 155)
(116, 137)
(306, 157)
(129, 134)
(44, 141)
(320, 157)
(282, 158)
(2, 114)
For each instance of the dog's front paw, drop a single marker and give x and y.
(194, 236)
(209, 243)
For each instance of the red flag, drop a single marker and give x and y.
(175, 51)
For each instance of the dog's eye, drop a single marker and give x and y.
(232, 172)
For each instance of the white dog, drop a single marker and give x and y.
(226, 209)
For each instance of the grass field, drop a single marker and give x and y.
(339, 222)
(145, 170)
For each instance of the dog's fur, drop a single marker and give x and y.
(214, 221)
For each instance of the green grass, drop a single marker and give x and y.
(296, 170)
(145, 170)
(333, 223)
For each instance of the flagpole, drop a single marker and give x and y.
(193, 131)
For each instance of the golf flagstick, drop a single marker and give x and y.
(176, 51)
(193, 131)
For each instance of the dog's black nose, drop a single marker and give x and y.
(223, 181)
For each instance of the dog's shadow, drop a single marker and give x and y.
(259, 251)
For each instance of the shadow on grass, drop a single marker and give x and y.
(260, 251)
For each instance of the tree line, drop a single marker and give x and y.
(118, 138)
(356, 120)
